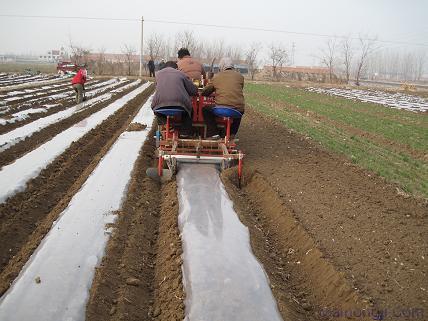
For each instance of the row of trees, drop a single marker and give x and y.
(395, 65)
(100, 64)
(363, 57)
(346, 57)
(158, 47)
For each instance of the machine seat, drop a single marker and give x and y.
(170, 111)
(225, 111)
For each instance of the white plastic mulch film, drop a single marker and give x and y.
(222, 278)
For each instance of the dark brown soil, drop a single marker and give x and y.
(27, 216)
(146, 249)
(365, 231)
(169, 292)
(65, 103)
(38, 138)
(333, 238)
(136, 127)
(41, 93)
(130, 252)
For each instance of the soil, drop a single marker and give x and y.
(136, 127)
(311, 217)
(332, 237)
(373, 237)
(65, 103)
(145, 249)
(40, 137)
(27, 216)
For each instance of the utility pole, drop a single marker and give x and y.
(141, 46)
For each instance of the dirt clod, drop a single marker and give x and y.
(133, 281)
(136, 127)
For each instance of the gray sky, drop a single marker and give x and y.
(395, 20)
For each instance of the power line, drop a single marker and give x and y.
(219, 26)
(68, 17)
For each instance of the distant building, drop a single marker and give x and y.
(54, 55)
(7, 58)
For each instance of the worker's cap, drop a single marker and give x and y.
(225, 63)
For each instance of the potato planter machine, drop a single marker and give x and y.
(172, 149)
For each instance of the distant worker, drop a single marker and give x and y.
(162, 64)
(228, 86)
(173, 89)
(189, 65)
(151, 66)
(78, 83)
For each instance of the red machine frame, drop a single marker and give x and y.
(173, 149)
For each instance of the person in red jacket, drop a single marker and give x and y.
(78, 83)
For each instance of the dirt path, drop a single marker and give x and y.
(26, 217)
(373, 237)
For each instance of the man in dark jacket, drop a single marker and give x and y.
(173, 89)
(228, 86)
(151, 66)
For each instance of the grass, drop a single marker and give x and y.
(20, 67)
(392, 143)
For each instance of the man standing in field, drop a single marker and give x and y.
(190, 66)
(151, 66)
(78, 83)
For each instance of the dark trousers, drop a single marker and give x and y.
(210, 121)
(80, 92)
(186, 123)
(152, 72)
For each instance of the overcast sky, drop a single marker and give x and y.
(395, 20)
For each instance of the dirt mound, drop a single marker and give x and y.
(136, 127)
(374, 237)
(140, 275)
(302, 280)
(47, 133)
(27, 216)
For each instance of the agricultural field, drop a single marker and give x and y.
(333, 206)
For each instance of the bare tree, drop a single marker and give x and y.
(367, 47)
(279, 57)
(79, 54)
(167, 49)
(214, 49)
(328, 56)
(234, 52)
(186, 39)
(347, 55)
(421, 57)
(251, 58)
(154, 44)
(101, 61)
(129, 53)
